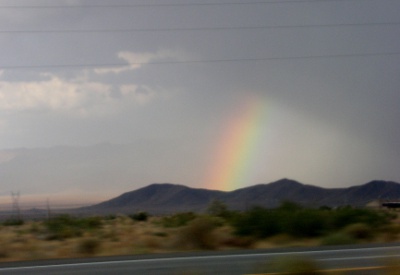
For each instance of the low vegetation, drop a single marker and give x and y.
(141, 216)
(65, 226)
(217, 229)
(291, 265)
(299, 222)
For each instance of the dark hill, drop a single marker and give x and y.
(160, 198)
(362, 194)
(272, 194)
(169, 198)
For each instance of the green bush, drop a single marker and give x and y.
(13, 222)
(325, 208)
(66, 226)
(179, 219)
(305, 223)
(35, 228)
(89, 246)
(141, 216)
(219, 209)
(358, 231)
(258, 222)
(90, 223)
(289, 206)
(160, 234)
(294, 220)
(4, 253)
(110, 217)
(261, 223)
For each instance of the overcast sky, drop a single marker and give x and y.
(173, 75)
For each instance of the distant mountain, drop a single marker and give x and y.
(169, 198)
(58, 172)
(160, 198)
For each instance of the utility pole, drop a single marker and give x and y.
(48, 209)
(15, 202)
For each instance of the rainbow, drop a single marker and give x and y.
(234, 155)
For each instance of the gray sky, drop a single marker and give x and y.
(168, 80)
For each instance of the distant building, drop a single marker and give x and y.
(391, 204)
(375, 204)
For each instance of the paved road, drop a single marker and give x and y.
(239, 262)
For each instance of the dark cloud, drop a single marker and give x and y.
(327, 72)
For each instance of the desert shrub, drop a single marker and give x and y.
(219, 209)
(295, 265)
(141, 216)
(62, 227)
(347, 215)
(3, 253)
(66, 226)
(358, 231)
(179, 219)
(198, 234)
(160, 234)
(13, 222)
(89, 246)
(325, 208)
(34, 228)
(297, 221)
(110, 217)
(338, 239)
(90, 222)
(289, 206)
(238, 241)
(289, 218)
(304, 223)
(258, 222)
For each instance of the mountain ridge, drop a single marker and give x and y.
(162, 198)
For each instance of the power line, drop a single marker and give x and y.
(168, 5)
(205, 61)
(201, 28)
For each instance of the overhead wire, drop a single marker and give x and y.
(167, 4)
(188, 29)
(200, 28)
(121, 65)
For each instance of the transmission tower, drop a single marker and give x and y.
(15, 205)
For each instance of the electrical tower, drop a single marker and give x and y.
(15, 205)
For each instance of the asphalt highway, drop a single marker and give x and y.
(361, 259)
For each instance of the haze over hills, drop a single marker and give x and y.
(169, 198)
(70, 174)
(107, 169)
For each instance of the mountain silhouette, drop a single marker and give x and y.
(169, 198)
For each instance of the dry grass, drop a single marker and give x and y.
(115, 237)
(124, 236)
